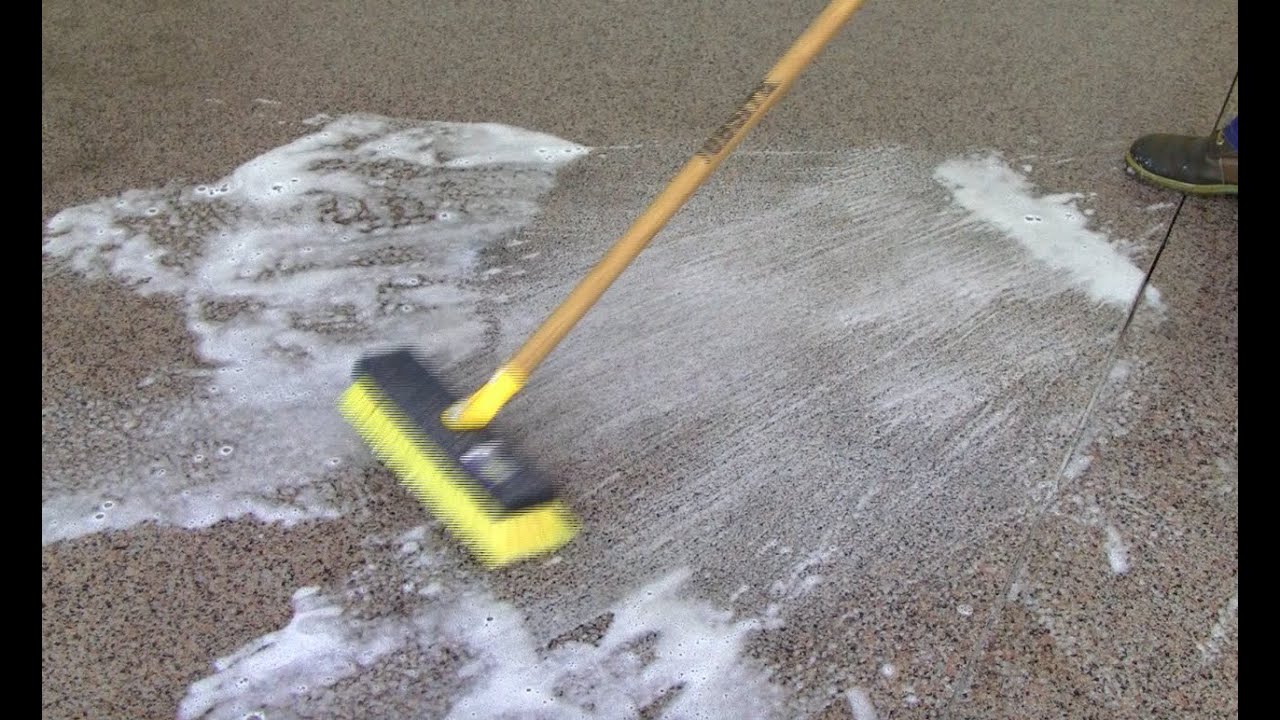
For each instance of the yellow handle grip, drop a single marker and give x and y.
(480, 408)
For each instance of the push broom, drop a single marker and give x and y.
(438, 445)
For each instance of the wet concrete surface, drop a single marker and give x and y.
(846, 407)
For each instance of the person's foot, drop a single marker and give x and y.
(1205, 166)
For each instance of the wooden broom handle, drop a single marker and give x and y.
(476, 411)
(681, 187)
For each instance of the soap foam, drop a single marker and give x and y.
(674, 655)
(1050, 227)
(355, 237)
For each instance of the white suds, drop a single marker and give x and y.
(660, 650)
(693, 645)
(1077, 466)
(1050, 227)
(1117, 551)
(316, 649)
(1211, 649)
(356, 237)
(802, 579)
(860, 704)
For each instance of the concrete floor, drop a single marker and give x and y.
(944, 478)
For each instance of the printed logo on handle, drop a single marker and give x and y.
(725, 134)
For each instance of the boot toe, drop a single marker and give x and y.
(1162, 155)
